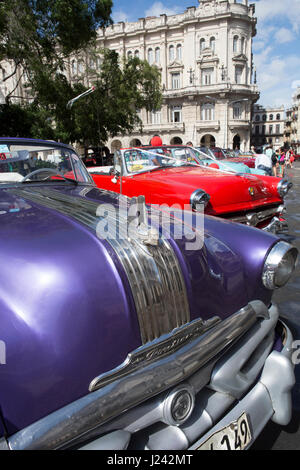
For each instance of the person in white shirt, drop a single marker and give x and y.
(264, 161)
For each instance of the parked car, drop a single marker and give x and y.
(247, 159)
(224, 163)
(110, 341)
(166, 177)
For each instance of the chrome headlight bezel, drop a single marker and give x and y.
(279, 265)
(283, 187)
(199, 197)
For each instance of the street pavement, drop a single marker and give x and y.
(288, 299)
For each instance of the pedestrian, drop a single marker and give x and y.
(292, 158)
(275, 163)
(264, 162)
(281, 160)
(287, 161)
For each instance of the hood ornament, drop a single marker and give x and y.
(138, 222)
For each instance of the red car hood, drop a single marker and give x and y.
(228, 192)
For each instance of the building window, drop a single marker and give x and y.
(202, 44)
(212, 43)
(136, 54)
(264, 118)
(74, 67)
(270, 129)
(257, 118)
(150, 56)
(179, 52)
(156, 117)
(171, 53)
(80, 67)
(129, 55)
(263, 129)
(271, 117)
(157, 55)
(207, 76)
(208, 112)
(237, 111)
(235, 44)
(278, 117)
(277, 128)
(99, 62)
(176, 114)
(243, 45)
(256, 130)
(238, 74)
(175, 80)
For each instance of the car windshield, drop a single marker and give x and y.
(22, 162)
(148, 159)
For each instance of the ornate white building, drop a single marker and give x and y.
(204, 56)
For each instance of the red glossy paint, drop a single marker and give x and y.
(229, 193)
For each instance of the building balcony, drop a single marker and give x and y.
(239, 124)
(160, 128)
(207, 126)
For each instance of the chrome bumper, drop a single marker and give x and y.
(277, 226)
(254, 219)
(134, 402)
(269, 399)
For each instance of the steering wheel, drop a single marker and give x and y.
(40, 170)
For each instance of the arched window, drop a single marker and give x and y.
(202, 44)
(157, 55)
(150, 56)
(257, 117)
(235, 43)
(179, 52)
(243, 45)
(264, 118)
(271, 117)
(171, 53)
(136, 54)
(129, 55)
(212, 43)
(278, 117)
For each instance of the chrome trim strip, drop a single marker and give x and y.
(154, 272)
(76, 420)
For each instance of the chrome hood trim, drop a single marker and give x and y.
(154, 272)
(151, 376)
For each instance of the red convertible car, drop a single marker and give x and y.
(169, 176)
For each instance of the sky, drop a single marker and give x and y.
(276, 47)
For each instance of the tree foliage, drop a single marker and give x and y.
(38, 36)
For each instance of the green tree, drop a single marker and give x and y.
(38, 36)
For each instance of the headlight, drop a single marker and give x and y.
(199, 197)
(279, 265)
(283, 187)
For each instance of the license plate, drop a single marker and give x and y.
(235, 436)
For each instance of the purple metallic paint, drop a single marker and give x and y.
(67, 313)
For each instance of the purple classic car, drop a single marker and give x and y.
(113, 338)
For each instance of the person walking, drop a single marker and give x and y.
(281, 162)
